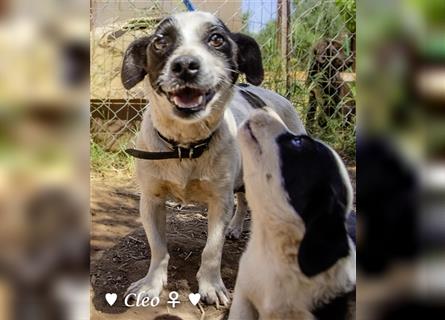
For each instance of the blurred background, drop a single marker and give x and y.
(44, 159)
(400, 156)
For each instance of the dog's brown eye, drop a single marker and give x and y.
(216, 40)
(160, 43)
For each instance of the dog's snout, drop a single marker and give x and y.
(185, 67)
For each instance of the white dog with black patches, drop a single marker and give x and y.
(187, 142)
(300, 261)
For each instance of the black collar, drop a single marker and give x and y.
(193, 151)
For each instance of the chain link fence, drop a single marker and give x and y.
(308, 49)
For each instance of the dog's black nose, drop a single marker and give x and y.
(185, 67)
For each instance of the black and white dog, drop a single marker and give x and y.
(300, 261)
(190, 66)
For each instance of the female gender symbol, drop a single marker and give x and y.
(173, 296)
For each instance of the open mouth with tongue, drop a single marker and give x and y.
(188, 100)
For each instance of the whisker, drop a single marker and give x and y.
(231, 70)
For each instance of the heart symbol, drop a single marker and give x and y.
(194, 298)
(111, 298)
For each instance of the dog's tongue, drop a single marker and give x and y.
(188, 98)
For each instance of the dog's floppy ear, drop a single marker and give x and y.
(134, 65)
(249, 58)
(325, 239)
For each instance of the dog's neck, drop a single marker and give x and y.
(186, 132)
(277, 235)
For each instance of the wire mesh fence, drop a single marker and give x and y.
(308, 49)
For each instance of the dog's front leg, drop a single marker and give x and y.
(211, 286)
(153, 214)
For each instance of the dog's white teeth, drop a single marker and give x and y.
(189, 104)
(177, 101)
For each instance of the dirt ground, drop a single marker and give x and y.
(120, 254)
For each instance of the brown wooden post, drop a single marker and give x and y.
(278, 24)
(285, 41)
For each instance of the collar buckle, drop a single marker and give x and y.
(194, 150)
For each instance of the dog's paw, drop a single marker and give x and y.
(235, 227)
(234, 231)
(213, 292)
(148, 286)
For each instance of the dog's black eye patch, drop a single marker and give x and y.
(166, 28)
(160, 43)
(300, 143)
(308, 166)
(317, 192)
(165, 40)
(148, 55)
(254, 100)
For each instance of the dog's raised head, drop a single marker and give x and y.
(298, 176)
(330, 53)
(192, 61)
